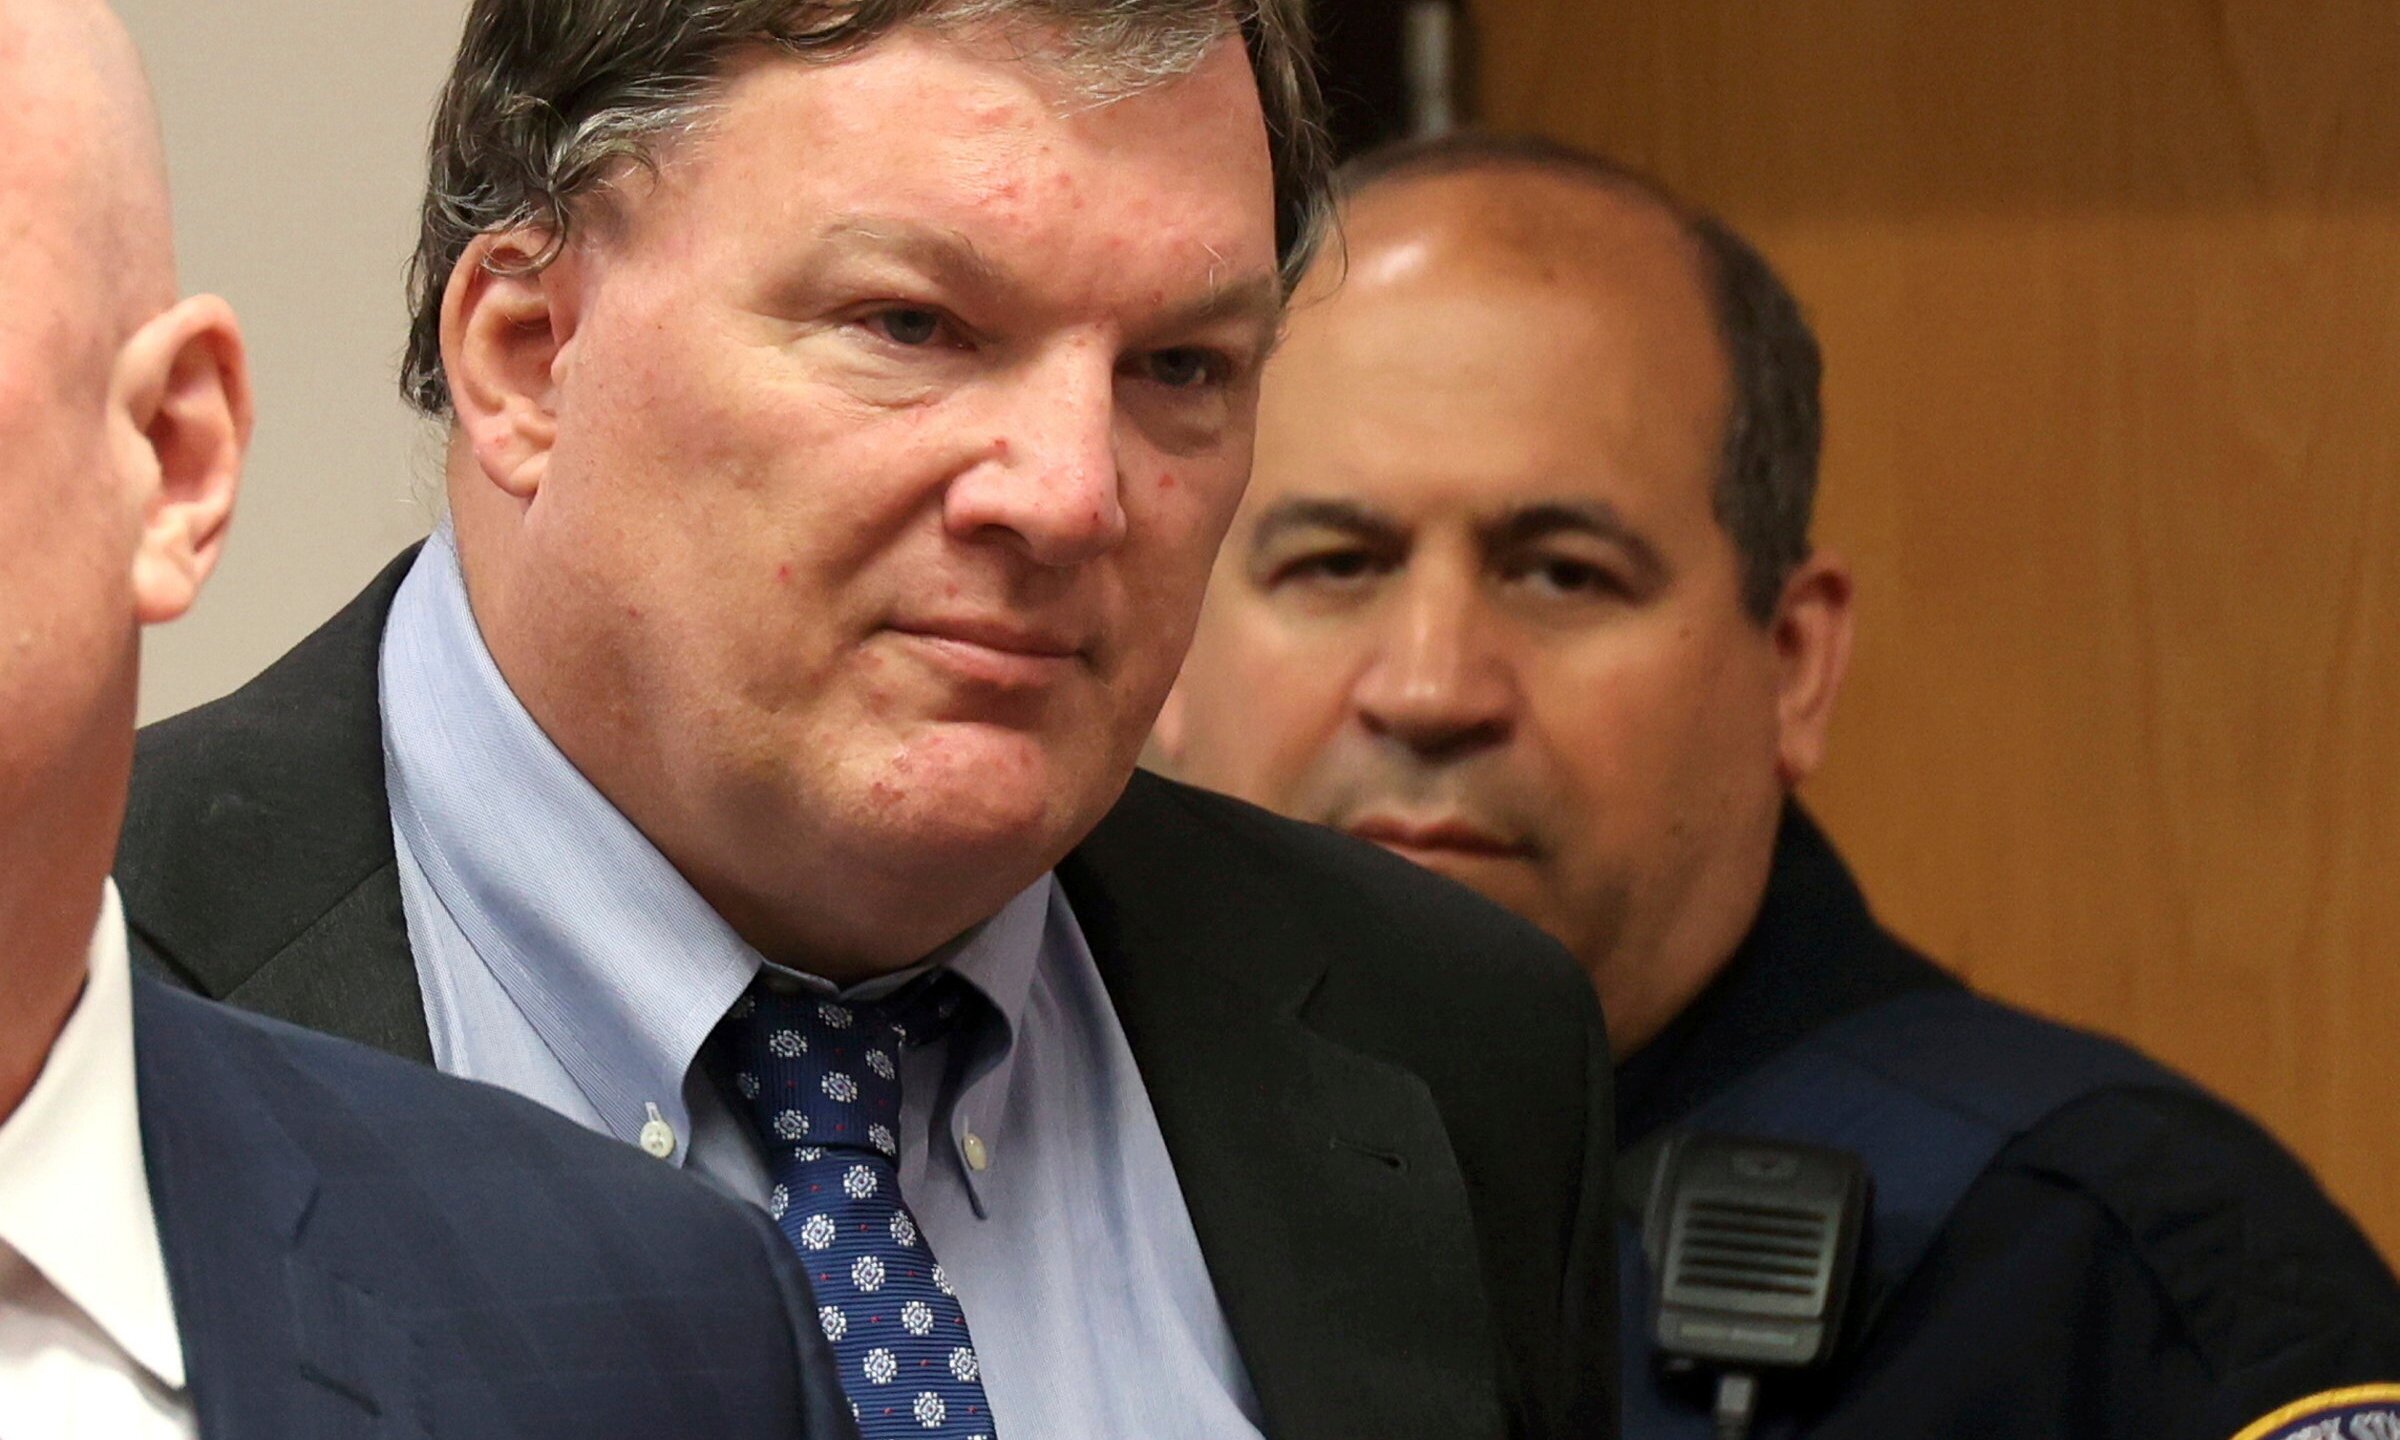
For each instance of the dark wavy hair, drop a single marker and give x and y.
(549, 99)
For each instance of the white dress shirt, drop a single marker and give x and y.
(88, 1344)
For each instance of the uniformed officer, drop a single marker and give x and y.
(1523, 590)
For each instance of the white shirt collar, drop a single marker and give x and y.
(74, 1193)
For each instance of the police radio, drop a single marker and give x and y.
(1754, 1250)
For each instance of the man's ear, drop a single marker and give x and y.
(1811, 629)
(505, 318)
(181, 389)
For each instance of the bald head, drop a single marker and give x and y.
(124, 414)
(1586, 238)
(83, 185)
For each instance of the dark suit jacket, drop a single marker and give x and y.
(1388, 1101)
(358, 1247)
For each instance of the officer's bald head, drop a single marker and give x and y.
(123, 416)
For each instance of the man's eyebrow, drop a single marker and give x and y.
(1346, 516)
(1256, 301)
(937, 249)
(1595, 518)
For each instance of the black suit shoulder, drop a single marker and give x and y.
(1434, 951)
(1482, 1010)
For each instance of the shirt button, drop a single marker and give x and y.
(979, 1156)
(658, 1137)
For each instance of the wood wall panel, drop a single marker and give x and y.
(2110, 293)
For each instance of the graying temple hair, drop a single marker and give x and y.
(549, 100)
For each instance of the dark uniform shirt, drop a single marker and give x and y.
(2143, 1264)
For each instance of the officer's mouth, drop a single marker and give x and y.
(1440, 842)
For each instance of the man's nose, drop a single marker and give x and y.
(1437, 684)
(1048, 485)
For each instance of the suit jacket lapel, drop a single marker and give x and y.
(257, 863)
(1320, 1180)
(275, 1344)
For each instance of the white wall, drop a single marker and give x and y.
(295, 140)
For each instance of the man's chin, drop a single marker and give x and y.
(976, 794)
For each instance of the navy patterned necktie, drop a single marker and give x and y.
(820, 1082)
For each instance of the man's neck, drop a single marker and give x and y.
(41, 998)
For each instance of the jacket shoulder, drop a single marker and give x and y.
(551, 1280)
(1208, 861)
(2254, 1258)
(249, 816)
(370, 1117)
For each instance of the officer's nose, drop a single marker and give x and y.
(1047, 485)
(1436, 684)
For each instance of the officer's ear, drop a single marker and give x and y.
(1811, 631)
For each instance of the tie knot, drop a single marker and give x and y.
(824, 1074)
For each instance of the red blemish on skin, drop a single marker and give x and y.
(950, 591)
(1166, 481)
(783, 572)
(999, 444)
(633, 612)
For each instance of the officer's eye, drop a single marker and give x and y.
(1565, 575)
(1346, 566)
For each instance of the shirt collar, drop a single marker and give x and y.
(617, 963)
(74, 1192)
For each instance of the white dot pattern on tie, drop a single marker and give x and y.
(824, 1073)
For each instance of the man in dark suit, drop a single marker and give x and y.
(1537, 606)
(844, 404)
(213, 1224)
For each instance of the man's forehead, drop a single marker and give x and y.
(955, 157)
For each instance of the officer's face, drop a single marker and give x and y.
(877, 456)
(1477, 606)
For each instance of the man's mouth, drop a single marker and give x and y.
(991, 651)
(1440, 838)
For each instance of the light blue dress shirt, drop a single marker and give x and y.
(564, 958)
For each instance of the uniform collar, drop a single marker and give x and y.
(1813, 954)
(617, 963)
(74, 1192)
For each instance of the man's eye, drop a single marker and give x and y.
(1560, 576)
(907, 325)
(1183, 368)
(1329, 567)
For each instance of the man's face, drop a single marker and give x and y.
(898, 423)
(1477, 605)
(66, 611)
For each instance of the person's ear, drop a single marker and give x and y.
(181, 396)
(507, 313)
(1811, 630)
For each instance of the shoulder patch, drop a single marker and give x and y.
(2361, 1412)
